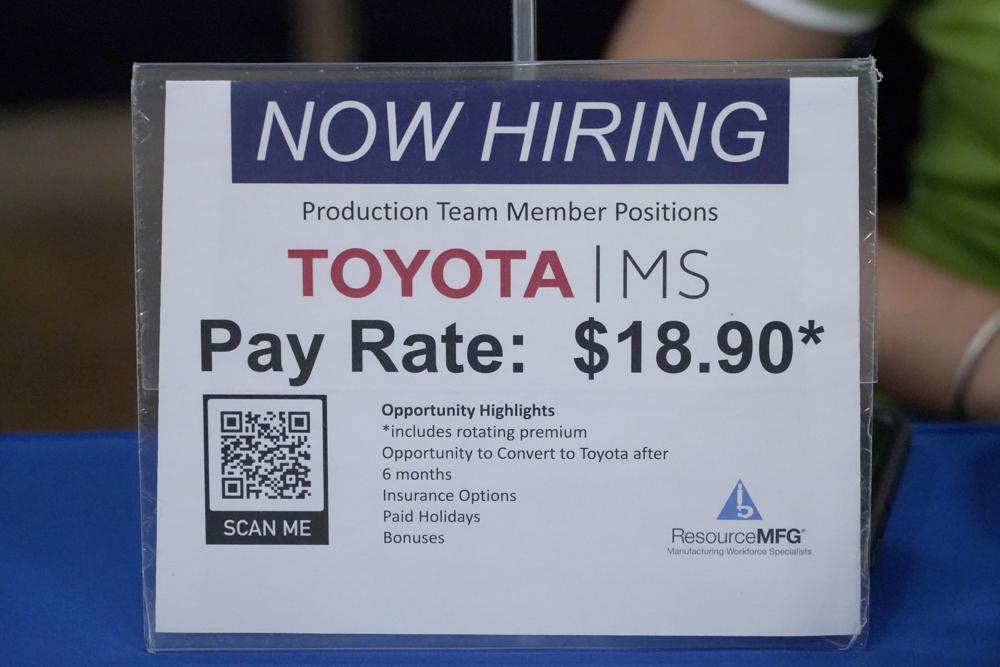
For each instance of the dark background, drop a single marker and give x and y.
(67, 338)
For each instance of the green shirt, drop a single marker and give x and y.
(953, 216)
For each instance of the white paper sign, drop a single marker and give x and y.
(510, 358)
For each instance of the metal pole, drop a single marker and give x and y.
(523, 30)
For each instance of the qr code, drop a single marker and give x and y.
(265, 452)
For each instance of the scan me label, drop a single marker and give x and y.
(681, 131)
(509, 358)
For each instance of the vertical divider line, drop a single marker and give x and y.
(597, 272)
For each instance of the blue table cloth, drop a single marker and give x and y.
(70, 584)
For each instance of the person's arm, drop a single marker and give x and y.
(926, 317)
(713, 30)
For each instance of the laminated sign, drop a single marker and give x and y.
(549, 355)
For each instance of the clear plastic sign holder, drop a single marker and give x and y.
(149, 118)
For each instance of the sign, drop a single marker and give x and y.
(476, 358)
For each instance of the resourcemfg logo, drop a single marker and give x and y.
(739, 506)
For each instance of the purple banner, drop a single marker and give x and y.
(636, 131)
